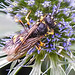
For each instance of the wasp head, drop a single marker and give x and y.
(49, 20)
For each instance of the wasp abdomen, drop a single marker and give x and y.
(40, 30)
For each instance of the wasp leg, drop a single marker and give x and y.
(28, 23)
(51, 32)
(38, 47)
(41, 44)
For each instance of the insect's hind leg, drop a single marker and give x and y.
(41, 44)
(51, 32)
(28, 23)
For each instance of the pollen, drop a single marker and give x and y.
(48, 28)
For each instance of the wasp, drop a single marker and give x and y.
(24, 41)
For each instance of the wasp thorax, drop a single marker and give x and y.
(40, 30)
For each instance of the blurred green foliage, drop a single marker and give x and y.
(1, 0)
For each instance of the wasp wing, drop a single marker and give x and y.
(15, 46)
(12, 44)
(29, 43)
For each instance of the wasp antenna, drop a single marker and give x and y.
(28, 14)
(20, 21)
(28, 23)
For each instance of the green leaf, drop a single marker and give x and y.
(55, 67)
(64, 4)
(57, 71)
(3, 62)
(46, 66)
(12, 66)
(20, 65)
(69, 68)
(36, 69)
(71, 61)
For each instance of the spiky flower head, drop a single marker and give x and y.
(30, 2)
(46, 4)
(57, 50)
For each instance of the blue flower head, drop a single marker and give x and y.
(30, 2)
(46, 4)
(38, 13)
(59, 17)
